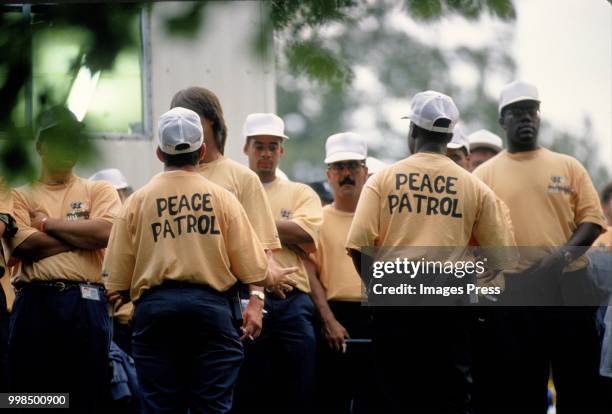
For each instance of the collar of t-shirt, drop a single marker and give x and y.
(59, 186)
(523, 155)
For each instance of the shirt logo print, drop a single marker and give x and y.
(78, 211)
(556, 185)
(286, 214)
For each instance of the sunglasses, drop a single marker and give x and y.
(351, 165)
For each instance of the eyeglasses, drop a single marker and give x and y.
(519, 111)
(351, 165)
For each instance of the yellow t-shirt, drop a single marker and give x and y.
(428, 200)
(335, 268)
(300, 204)
(6, 207)
(548, 194)
(245, 185)
(77, 199)
(605, 239)
(181, 226)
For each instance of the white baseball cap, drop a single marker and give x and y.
(459, 140)
(264, 124)
(485, 139)
(345, 146)
(430, 106)
(517, 91)
(113, 176)
(374, 165)
(179, 127)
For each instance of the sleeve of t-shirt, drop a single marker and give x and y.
(493, 231)
(21, 215)
(6, 201)
(587, 207)
(365, 227)
(105, 202)
(259, 213)
(248, 261)
(119, 258)
(308, 213)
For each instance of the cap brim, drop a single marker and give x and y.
(344, 156)
(518, 99)
(477, 145)
(266, 132)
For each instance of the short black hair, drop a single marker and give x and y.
(181, 160)
(606, 193)
(433, 136)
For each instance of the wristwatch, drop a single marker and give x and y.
(567, 256)
(258, 293)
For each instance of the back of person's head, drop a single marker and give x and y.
(606, 194)
(433, 116)
(433, 136)
(206, 104)
(180, 137)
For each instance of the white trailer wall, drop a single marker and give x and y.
(220, 58)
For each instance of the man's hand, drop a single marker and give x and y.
(335, 334)
(252, 319)
(114, 298)
(552, 264)
(37, 218)
(280, 281)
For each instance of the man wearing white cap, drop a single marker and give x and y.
(554, 208)
(483, 146)
(59, 334)
(283, 357)
(240, 181)
(458, 149)
(425, 200)
(117, 179)
(179, 245)
(346, 376)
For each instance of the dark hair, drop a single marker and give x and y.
(433, 136)
(606, 193)
(206, 104)
(181, 160)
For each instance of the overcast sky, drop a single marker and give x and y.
(564, 47)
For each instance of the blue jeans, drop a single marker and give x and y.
(186, 348)
(281, 359)
(59, 342)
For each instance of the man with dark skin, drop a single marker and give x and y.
(555, 211)
(423, 353)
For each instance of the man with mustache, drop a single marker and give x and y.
(555, 209)
(346, 369)
(283, 357)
